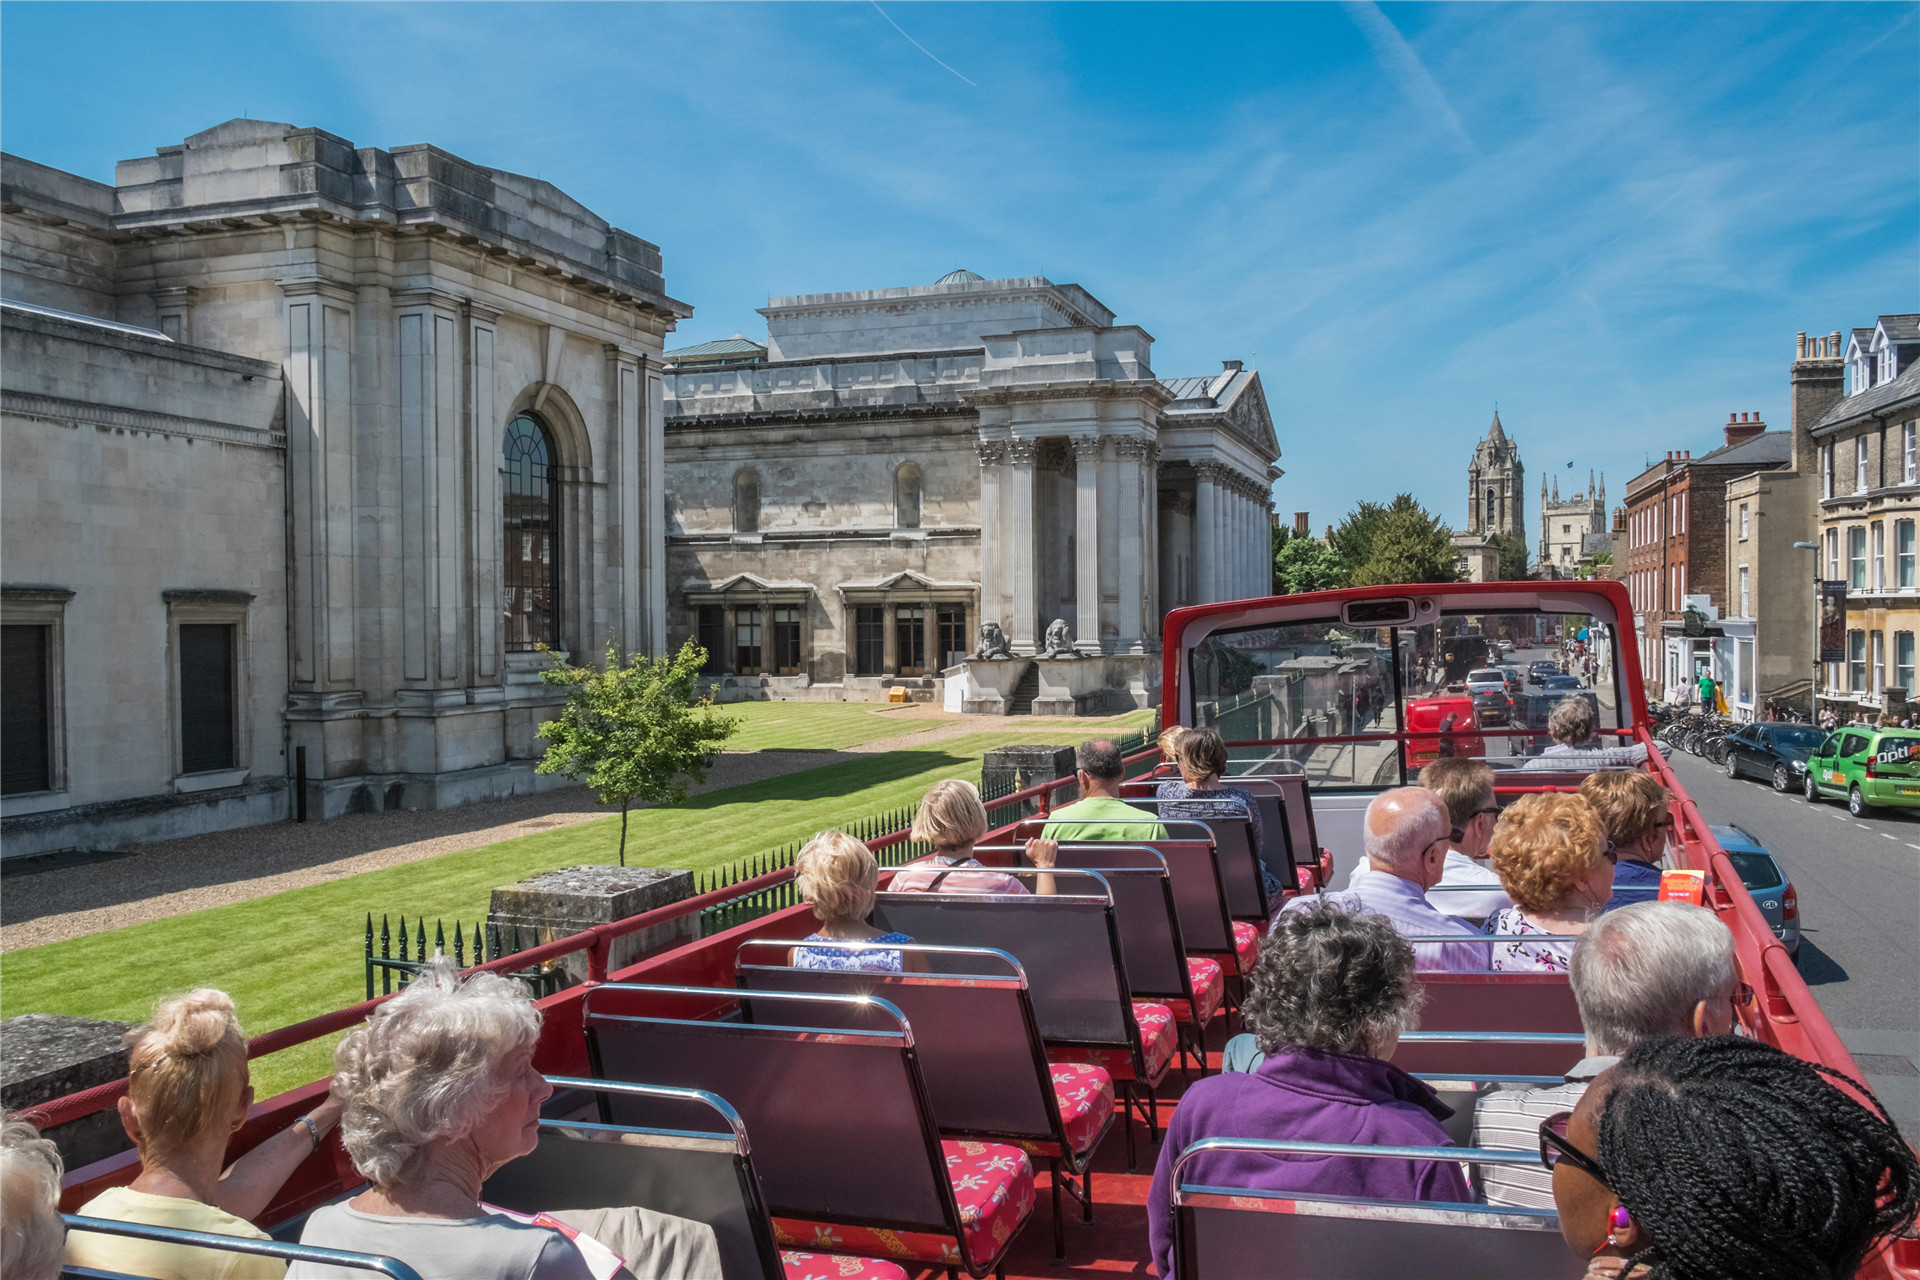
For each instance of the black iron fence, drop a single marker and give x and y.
(404, 952)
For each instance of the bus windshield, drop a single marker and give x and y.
(1368, 706)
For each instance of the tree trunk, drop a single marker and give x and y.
(623, 835)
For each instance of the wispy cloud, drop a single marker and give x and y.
(910, 40)
(1403, 66)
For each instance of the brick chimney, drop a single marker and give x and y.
(1301, 527)
(1819, 380)
(1743, 426)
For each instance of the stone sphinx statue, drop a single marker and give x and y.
(993, 642)
(1059, 644)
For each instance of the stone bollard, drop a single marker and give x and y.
(575, 899)
(49, 1055)
(1017, 768)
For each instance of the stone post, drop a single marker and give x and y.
(44, 1056)
(575, 899)
(1017, 768)
(1087, 453)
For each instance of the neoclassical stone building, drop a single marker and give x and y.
(851, 500)
(307, 446)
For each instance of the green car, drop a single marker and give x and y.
(1870, 767)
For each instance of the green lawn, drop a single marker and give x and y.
(819, 725)
(296, 954)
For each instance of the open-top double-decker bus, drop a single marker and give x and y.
(834, 1124)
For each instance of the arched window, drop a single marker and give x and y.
(531, 536)
(1490, 519)
(746, 501)
(906, 496)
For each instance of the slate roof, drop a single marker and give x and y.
(1768, 449)
(717, 349)
(1903, 328)
(1189, 388)
(1872, 400)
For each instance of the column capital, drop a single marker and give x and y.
(175, 296)
(1089, 448)
(992, 452)
(1134, 449)
(309, 285)
(482, 313)
(1022, 452)
(1211, 472)
(427, 296)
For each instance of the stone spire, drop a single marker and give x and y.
(1496, 434)
(1589, 484)
(1556, 488)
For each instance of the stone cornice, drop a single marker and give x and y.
(721, 538)
(855, 413)
(59, 412)
(1154, 392)
(35, 594)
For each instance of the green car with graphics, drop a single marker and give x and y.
(1867, 767)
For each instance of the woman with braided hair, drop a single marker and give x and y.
(1725, 1158)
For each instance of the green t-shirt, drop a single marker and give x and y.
(1706, 688)
(1097, 808)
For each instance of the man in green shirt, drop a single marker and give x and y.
(1100, 813)
(1707, 691)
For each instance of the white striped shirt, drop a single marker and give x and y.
(1509, 1119)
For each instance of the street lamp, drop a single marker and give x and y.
(1813, 682)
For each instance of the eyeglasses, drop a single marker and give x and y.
(1554, 1148)
(1492, 808)
(1742, 997)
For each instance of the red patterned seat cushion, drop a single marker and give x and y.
(1246, 945)
(1085, 1097)
(1209, 988)
(827, 1266)
(1158, 1039)
(993, 1186)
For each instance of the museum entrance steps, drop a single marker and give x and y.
(1020, 703)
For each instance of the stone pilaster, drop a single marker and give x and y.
(653, 537)
(426, 327)
(1136, 561)
(320, 467)
(994, 583)
(485, 432)
(626, 433)
(1018, 535)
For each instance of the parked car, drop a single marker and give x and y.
(1772, 892)
(1777, 753)
(1516, 681)
(1540, 670)
(1869, 766)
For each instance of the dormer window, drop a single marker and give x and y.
(1860, 373)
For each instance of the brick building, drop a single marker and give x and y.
(1675, 553)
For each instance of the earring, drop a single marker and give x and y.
(1620, 1220)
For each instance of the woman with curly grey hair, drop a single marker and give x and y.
(1327, 1003)
(440, 1091)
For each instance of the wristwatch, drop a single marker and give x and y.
(313, 1130)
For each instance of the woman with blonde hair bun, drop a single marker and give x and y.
(1553, 859)
(836, 876)
(187, 1094)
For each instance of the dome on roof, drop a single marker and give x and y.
(962, 276)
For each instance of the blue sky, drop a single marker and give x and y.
(1611, 219)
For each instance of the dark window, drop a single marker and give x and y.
(531, 541)
(746, 641)
(910, 638)
(869, 640)
(206, 697)
(25, 720)
(906, 497)
(746, 501)
(786, 642)
(953, 634)
(713, 637)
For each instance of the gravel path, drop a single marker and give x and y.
(173, 877)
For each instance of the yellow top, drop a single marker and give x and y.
(167, 1261)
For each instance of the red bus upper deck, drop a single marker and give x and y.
(1313, 695)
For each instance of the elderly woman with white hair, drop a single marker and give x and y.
(1571, 725)
(440, 1091)
(32, 1237)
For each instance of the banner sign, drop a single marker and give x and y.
(1833, 621)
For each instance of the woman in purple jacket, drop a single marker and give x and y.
(1327, 1003)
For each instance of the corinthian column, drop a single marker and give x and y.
(993, 534)
(1087, 453)
(1136, 562)
(1206, 532)
(1018, 541)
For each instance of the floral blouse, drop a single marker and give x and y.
(880, 959)
(1524, 957)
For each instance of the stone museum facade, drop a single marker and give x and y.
(308, 446)
(893, 468)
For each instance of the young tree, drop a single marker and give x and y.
(1513, 560)
(1305, 564)
(637, 732)
(1353, 539)
(1409, 545)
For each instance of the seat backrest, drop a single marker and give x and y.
(1142, 908)
(1485, 1055)
(804, 1093)
(1194, 865)
(1236, 1233)
(1232, 833)
(1498, 1002)
(1067, 943)
(697, 1165)
(973, 1031)
(1303, 833)
(286, 1251)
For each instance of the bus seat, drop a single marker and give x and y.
(1228, 1233)
(1240, 877)
(808, 1095)
(1068, 945)
(287, 1251)
(1498, 1002)
(1484, 1055)
(980, 1052)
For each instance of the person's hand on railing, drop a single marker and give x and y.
(1043, 854)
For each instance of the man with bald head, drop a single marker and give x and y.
(1407, 837)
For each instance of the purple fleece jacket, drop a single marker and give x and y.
(1307, 1095)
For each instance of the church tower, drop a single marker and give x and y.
(1494, 480)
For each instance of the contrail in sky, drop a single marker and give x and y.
(922, 48)
(1402, 66)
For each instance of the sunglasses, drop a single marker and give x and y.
(1554, 1148)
